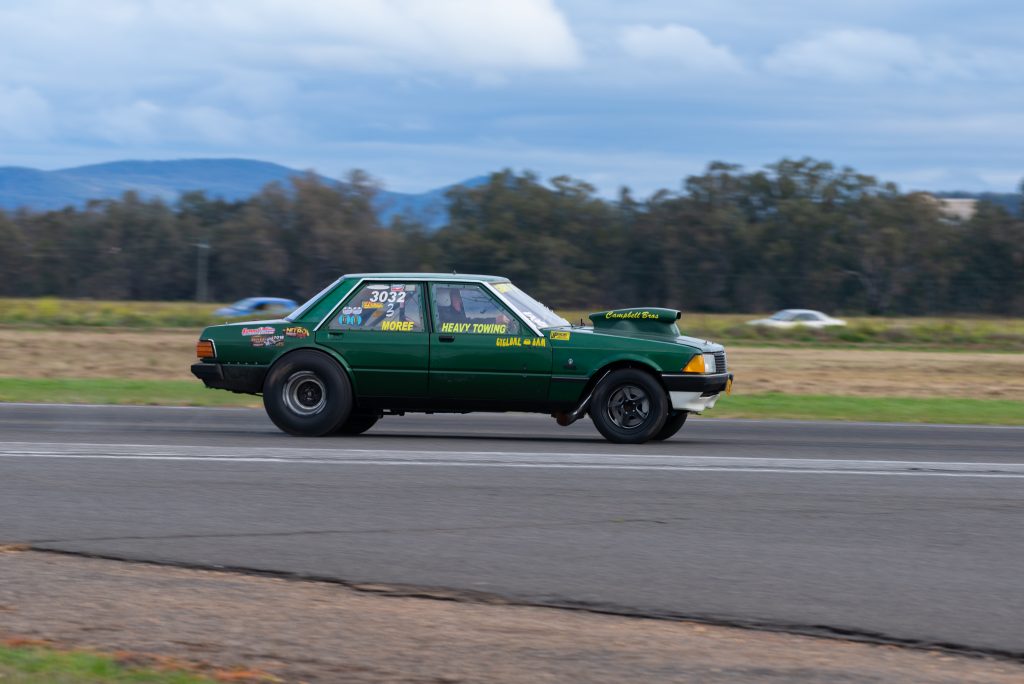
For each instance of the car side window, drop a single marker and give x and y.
(384, 307)
(470, 309)
(806, 317)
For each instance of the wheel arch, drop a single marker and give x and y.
(317, 350)
(625, 362)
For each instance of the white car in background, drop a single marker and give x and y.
(790, 318)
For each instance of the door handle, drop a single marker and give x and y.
(335, 333)
(446, 338)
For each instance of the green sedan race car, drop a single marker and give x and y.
(375, 344)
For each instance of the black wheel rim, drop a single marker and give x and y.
(628, 407)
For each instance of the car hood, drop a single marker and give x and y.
(668, 340)
(250, 324)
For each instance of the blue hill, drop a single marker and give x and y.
(229, 179)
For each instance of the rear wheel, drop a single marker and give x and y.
(629, 407)
(672, 425)
(307, 393)
(357, 424)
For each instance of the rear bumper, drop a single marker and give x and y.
(233, 377)
(695, 393)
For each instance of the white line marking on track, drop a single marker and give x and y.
(506, 459)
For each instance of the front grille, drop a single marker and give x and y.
(720, 362)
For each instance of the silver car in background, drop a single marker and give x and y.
(790, 318)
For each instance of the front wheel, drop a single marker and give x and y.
(672, 425)
(629, 407)
(306, 393)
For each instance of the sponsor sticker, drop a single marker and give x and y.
(476, 328)
(521, 342)
(376, 287)
(396, 326)
(264, 330)
(560, 335)
(373, 305)
(263, 341)
(296, 331)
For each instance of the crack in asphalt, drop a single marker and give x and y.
(835, 632)
(384, 530)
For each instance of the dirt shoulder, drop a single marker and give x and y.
(167, 355)
(319, 632)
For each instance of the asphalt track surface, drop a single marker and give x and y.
(903, 533)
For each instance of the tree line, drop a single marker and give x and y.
(798, 233)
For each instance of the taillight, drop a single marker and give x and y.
(205, 349)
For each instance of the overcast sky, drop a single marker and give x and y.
(425, 92)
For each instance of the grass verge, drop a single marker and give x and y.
(35, 664)
(769, 405)
(116, 391)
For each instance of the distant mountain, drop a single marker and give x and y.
(230, 179)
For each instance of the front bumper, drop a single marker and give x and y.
(229, 376)
(693, 392)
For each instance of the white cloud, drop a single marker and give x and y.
(455, 36)
(859, 55)
(678, 46)
(137, 122)
(143, 122)
(24, 114)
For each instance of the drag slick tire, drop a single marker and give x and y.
(357, 424)
(629, 407)
(672, 425)
(307, 393)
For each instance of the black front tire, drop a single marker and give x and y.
(629, 407)
(357, 424)
(672, 425)
(307, 393)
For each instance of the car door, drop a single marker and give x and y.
(481, 351)
(380, 331)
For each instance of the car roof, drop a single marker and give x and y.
(454, 277)
(802, 311)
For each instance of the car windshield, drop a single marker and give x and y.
(311, 301)
(532, 310)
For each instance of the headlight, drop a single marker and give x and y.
(709, 363)
(701, 363)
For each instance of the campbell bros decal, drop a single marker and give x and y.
(631, 314)
(264, 330)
